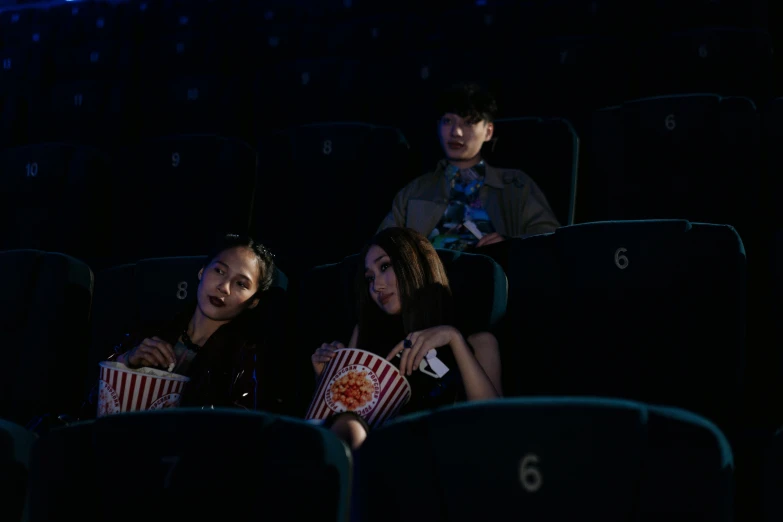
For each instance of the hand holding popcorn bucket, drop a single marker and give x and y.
(122, 389)
(360, 381)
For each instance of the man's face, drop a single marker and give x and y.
(462, 139)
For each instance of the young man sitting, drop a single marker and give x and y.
(466, 203)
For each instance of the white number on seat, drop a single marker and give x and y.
(305, 78)
(7, 64)
(671, 123)
(192, 94)
(77, 100)
(32, 170)
(620, 260)
(327, 147)
(425, 72)
(175, 159)
(182, 290)
(563, 57)
(703, 51)
(529, 475)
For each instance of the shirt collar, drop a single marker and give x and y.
(491, 175)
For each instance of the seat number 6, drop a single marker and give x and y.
(620, 260)
(529, 475)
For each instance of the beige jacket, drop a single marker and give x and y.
(515, 204)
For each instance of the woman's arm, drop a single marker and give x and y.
(487, 353)
(480, 372)
(481, 383)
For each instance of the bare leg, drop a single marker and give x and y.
(349, 427)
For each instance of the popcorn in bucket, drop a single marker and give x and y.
(122, 389)
(360, 381)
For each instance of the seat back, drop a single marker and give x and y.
(674, 157)
(16, 444)
(644, 310)
(202, 177)
(547, 149)
(359, 166)
(45, 324)
(546, 460)
(244, 464)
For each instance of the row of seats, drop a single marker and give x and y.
(673, 290)
(115, 61)
(310, 22)
(648, 311)
(699, 157)
(564, 76)
(552, 459)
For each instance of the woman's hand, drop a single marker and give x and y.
(151, 352)
(420, 343)
(323, 355)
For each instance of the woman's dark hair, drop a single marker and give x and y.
(423, 289)
(469, 101)
(266, 262)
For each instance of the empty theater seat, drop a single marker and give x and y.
(173, 194)
(772, 504)
(323, 89)
(683, 157)
(16, 444)
(331, 184)
(547, 149)
(731, 61)
(649, 310)
(240, 464)
(53, 197)
(547, 460)
(148, 294)
(45, 323)
(773, 134)
(564, 75)
(327, 303)
(677, 14)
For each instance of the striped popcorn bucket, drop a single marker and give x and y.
(121, 389)
(360, 381)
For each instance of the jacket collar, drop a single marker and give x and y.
(492, 177)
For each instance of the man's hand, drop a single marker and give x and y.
(490, 239)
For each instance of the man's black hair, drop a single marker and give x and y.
(469, 101)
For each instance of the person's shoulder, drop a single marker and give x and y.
(424, 183)
(427, 177)
(504, 177)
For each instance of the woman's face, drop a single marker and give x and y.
(381, 280)
(228, 284)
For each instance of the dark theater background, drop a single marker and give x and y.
(640, 342)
